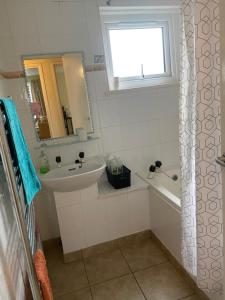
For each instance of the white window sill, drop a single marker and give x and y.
(131, 89)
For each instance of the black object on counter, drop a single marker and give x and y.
(119, 181)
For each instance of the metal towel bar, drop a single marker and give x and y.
(24, 215)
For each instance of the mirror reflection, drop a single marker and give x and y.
(58, 95)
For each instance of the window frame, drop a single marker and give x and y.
(147, 17)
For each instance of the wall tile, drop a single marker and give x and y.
(49, 19)
(22, 17)
(5, 28)
(138, 108)
(27, 45)
(109, 112)
(170, 154)
(169, 128)
(112, 140)
(101, 85)
(8, 59)
(140, 134)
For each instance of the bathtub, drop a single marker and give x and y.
(165, 210)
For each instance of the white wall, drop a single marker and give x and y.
(139, 126)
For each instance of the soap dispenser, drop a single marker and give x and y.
(44, 164)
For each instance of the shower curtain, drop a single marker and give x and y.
(200, 143)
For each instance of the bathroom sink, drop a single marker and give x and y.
(72, 177)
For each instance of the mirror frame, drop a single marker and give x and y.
(36, 56)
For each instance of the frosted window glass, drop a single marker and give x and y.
(134, 49)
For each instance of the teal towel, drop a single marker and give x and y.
(30, 179)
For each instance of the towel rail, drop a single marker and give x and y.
(24, 215)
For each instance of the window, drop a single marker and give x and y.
(139, 46)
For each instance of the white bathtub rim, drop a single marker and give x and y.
(167, 197)
(162, 191)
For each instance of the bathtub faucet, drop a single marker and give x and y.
(151, 173)
(174, 177)
(158, 165)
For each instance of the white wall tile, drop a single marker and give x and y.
(168, 100)
(170, 153)
(109, 112)
(8, 59)
(49, 19)
(94, 27)
(148, 156)
(101, 85)
(169, 128)
(27, 45)
(140, 134)
(112, 140)
(138, 108)
(22, 17)
(5, 29)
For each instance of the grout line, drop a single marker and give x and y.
(85, 269)
(132, 273)
(107, 280)
(193, 294)
(150, 267)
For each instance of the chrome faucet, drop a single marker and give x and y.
(80, 160)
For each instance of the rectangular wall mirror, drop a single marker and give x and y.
(58, 95)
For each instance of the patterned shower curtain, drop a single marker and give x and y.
(200, 143)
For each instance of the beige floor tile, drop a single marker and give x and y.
(74, 256)
(124, 288)
(53, 252)
(105, 266)
(101, 248)
(193, 297)
(142, 253)
(67, 278)
(134, 239)
(79, 295)
(163, 282)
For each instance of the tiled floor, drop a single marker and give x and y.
(131, 268)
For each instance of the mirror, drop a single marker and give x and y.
(58, 95)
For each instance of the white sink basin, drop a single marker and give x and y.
(70, 178)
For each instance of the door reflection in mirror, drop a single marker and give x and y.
(58, 95)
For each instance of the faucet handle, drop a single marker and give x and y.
(152, 168)
(158, 164)
(58, 159)
(81, 155)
